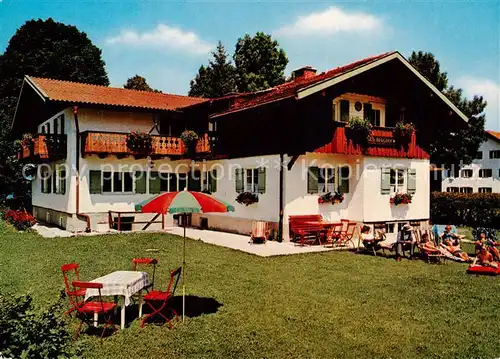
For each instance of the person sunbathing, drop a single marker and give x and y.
(485, 258)
(447, 235)
(490, 245)
(427, 246)
(453, 246)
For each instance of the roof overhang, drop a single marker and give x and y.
(320, 86)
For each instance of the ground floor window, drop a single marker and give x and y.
(398, 180)
(250, 180)
(485, 173)
(111, 182)
(465, 189)
(328, 179)
(452, 189)
(485, 190)
(53, 179)
(209, 181)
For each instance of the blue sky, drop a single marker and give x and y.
(166, 41)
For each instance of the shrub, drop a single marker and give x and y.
(140, 142)
(247, 198)
(359, 130)
(473, 210)
(27, 333)
(404, 129)
(22, 220)
(190, 139)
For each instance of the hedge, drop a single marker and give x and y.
(461, 209)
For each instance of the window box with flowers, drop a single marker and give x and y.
(247, 198)
(401, 198)
(190, 139)
(140, 143)
(403, 132)
(359, 131)
(335, 198)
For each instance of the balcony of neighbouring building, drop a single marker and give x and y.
(113, 143)
(43, 147)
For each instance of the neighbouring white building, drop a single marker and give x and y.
(287, 146)
(482, 175)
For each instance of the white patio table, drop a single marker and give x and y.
(123, 284)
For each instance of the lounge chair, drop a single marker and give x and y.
(260, 232)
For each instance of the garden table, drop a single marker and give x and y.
(123, 284)
(326, 228)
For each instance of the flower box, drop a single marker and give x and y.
(247, 198)
(337, 197)
(401, 198)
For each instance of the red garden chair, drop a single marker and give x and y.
(346, 233)
(260, 232)
(146, 262)
(87, 310)
(158, 300)
(74, 296)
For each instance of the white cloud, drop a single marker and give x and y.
(331, 21)
(163, 37)
(490, 90)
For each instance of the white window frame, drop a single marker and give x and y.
(397, 187)
(253, 185)
(60, 179)
(482, 170)
(485, 190)
(331, 180)
(113, 191)
(204, 180)
(466, 189)
(453, 189)
(466, 170)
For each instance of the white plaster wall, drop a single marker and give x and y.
(114, 121)
(376, 206)
(475, 181)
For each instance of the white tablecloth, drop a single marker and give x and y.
(124, 283)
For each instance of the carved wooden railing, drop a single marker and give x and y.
(44, 147)
(113, 143)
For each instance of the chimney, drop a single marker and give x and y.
(304, 72)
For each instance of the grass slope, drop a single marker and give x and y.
(322, 305)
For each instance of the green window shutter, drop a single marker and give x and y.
(368, 112)
(63, 182)
(262, 180)
(412, 181)
(344, 110)
(385, 187)
(312, 180)
(213, 181)
(54, 181)
(154, 183)
(95, 182)
(140, 182)
(194, 183)
(344, 174)
(239, 180)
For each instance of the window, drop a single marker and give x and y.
(454, 172)
(60, 182)
(250, 180)
(117, 182)
(46, 180)
(465, 189)
(162, 182)
(452, 189)
(479, 155)
(209, 181)
(344, 110)
(389, 228)
(182, 181)
(376, 118)
(397, 180)
(328, 179)
(334, 114)
(466, 174)
(485, 190)
(495, 154)
(485, 173)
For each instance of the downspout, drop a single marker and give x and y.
(79, 215)
(280, 223)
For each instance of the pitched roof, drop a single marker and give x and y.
(289, 89)
(80, 93)
(495, 134)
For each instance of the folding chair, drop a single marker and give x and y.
(333, 233)
(260, 232)
(74, 296)
(146, 262)
(158, 300)
(88, 309)
(346, 234)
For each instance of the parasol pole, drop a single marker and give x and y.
(184, 272)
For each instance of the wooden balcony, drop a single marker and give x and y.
(112, 143)
(382, 143)
(44, 147)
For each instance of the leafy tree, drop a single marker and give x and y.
(217, 79)
(43, 48)
(260, 62)
(461, 146)
(138, 83)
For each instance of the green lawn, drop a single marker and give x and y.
(323, 305)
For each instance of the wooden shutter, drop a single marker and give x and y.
(95, 182)
(261, 179)
(411, 186)
(344, 110)
(239, 180)
(62, 182)
(385, 187)
(194, 183)
(213, 181)
(368, 112)
(312, 180)
(140, 182)
(344, 174)
(154, 183)
(54, 181)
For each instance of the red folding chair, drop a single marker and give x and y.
(74, 296)
(158, 300)
(146, 262)
(86, 310)
(346, 233)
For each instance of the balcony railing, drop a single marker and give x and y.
(44, 147)
(382, 143)
(112, 143)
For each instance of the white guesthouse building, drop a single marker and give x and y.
(482, 175)
(288, 145)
